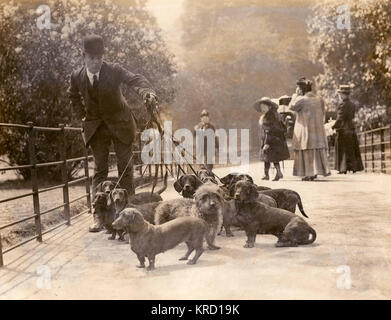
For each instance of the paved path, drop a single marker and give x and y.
(351, 214)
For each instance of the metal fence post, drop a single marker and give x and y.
(373, 153)
(139, 155)
(365, 154)
(34, 181)
(87, 175)
(1, 254)
(64, 174)
(382, 150)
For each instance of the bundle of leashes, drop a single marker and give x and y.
(153, 110)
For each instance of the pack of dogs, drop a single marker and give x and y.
(203, 211)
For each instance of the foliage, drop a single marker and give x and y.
(360, 56)
(35, 66)
(368, 118)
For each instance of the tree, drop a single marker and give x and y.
(236, 52)
(360, 56)
(35, 66)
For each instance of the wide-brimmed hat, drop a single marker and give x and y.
(93, 44)
(204, 113)
(303, 81)
(264, 100)
(344, 88)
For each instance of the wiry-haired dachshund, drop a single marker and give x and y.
(207, 205)
(257, 218)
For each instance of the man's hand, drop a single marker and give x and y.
(150, 100)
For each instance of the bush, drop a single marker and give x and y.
(368, 118)
(35, 68)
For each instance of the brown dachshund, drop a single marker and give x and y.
(121, 201)
(147, 240)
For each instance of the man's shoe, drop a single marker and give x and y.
(95, 228)
(265, 178)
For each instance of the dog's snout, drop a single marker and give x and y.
(187, 186)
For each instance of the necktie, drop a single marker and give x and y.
(95, 83)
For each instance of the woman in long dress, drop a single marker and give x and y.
(309, 137)
(347, 151)
(272, 135)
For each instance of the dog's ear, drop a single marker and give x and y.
(253, 192)
(112, 185)
(198, 182)
(127, 215)
(178, 185)
(249, 178)
(220, 195)
(98, 188)
(227, 179)
(232, 187)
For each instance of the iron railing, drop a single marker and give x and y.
(173, 169)
(375, 147)
(375, 150)
(36, 191)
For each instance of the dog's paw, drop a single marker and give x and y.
(191, 262)
(140, 266)
(214, 247)
(229, 234)
(286, 244)
(111, 238)
(183, 258)
(149, 268)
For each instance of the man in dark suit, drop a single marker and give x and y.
(97, 99)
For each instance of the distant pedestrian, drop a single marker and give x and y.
(309, 137)
(203, 126)
(272, 136)
(347, 151)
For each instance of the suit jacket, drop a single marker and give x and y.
(309, 132)
(345, 115)
(111, 106)
(205, 126)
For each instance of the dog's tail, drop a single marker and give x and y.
(161, 190)
(313, 236)
(300, 205)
